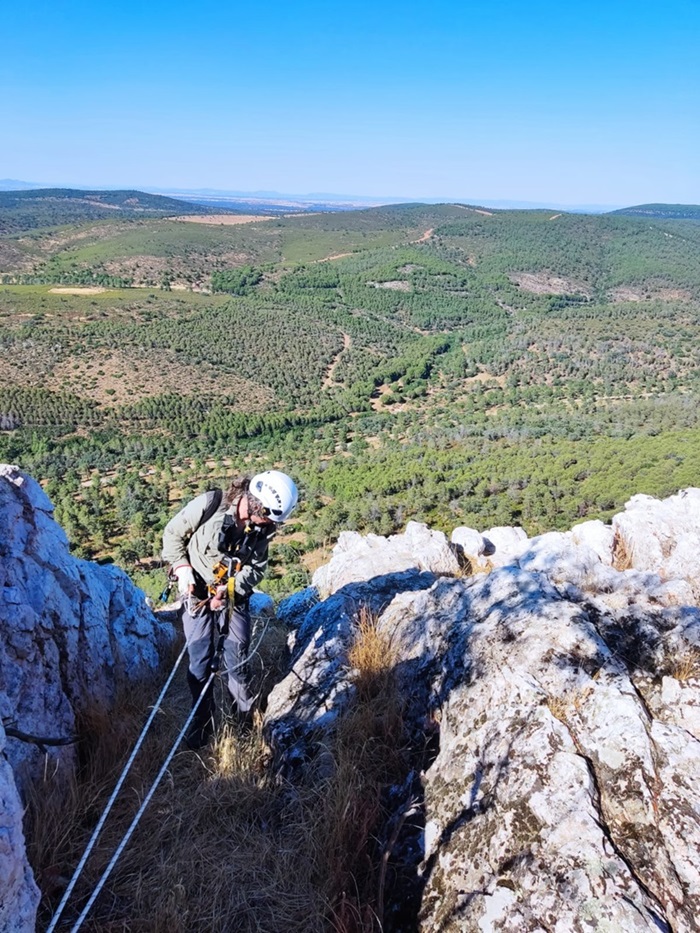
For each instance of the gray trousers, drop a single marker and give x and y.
(202, 634)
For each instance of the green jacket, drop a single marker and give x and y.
(187, 541)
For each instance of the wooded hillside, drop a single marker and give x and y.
(445, 363)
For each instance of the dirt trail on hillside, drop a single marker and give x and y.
(328, 381)
(79, 290)
(475, 210)
(425, 236)
(335, 256)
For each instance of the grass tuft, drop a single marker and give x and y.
(369, 750)
(687, 665)
(226, 844)
(621, 553)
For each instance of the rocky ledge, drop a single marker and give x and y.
(561, 676)
(71, 632)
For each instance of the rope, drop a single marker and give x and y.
(150, 793)
(110, 802)
(142, 808)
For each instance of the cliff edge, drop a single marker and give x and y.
(553, 685)
(71, 632)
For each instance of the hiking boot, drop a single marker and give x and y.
(202, 726)
(201, 731)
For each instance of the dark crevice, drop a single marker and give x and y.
(659, 914)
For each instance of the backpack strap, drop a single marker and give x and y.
(214, 497)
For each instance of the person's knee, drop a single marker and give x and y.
(200, 656)
(199, 669)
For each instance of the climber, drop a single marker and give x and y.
(217, 547)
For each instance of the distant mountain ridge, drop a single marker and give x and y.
(662, 211)
(31, 209)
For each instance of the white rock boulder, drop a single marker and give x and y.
(662, 536)
(19, 895)
(563, 794)
(358, 558)
(71, 633)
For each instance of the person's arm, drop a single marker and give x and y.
(180, 529)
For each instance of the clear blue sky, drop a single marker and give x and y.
(595, 102)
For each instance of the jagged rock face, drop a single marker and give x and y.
(564, 795)
(19, 894)
(663, 536)
(70, 633)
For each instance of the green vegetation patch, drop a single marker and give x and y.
(461, 366)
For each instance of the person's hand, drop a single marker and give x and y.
(218, 601)
(185, 580)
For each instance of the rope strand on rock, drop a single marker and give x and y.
(147, 799)
(110, 802)
(40, 740)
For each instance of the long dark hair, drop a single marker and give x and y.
(238, 487)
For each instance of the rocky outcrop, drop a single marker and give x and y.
(357, 558)
(71, 632)
(565, 679)
(19, 895)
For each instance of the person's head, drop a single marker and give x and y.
(272, 495)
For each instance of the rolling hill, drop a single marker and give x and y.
(662, 211)
(440, 362)
(47, 207)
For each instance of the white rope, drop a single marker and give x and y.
(110, 802)
(142, 808)
(152, 790)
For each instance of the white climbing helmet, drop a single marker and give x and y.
(277, 492)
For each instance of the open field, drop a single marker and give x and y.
(222, 219)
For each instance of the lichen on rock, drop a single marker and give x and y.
(566, 685)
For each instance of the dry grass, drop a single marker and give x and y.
(368, 749)
(558, 707)
(621, 554)
(687, 665)
(564, 706)
(225, 844)
(221, 846)
(470, 566)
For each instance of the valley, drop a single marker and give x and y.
(444, 363)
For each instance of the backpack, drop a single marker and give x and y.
(214, 497)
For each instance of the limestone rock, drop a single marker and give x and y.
(505, 544)
(70, 633)
(317, 688)
(470, 541)
(71, 629)
(19, 895)
(357, 558)
(598, 537)
(662, 536)
(261, 604)
(294, 608)
(564, 793)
